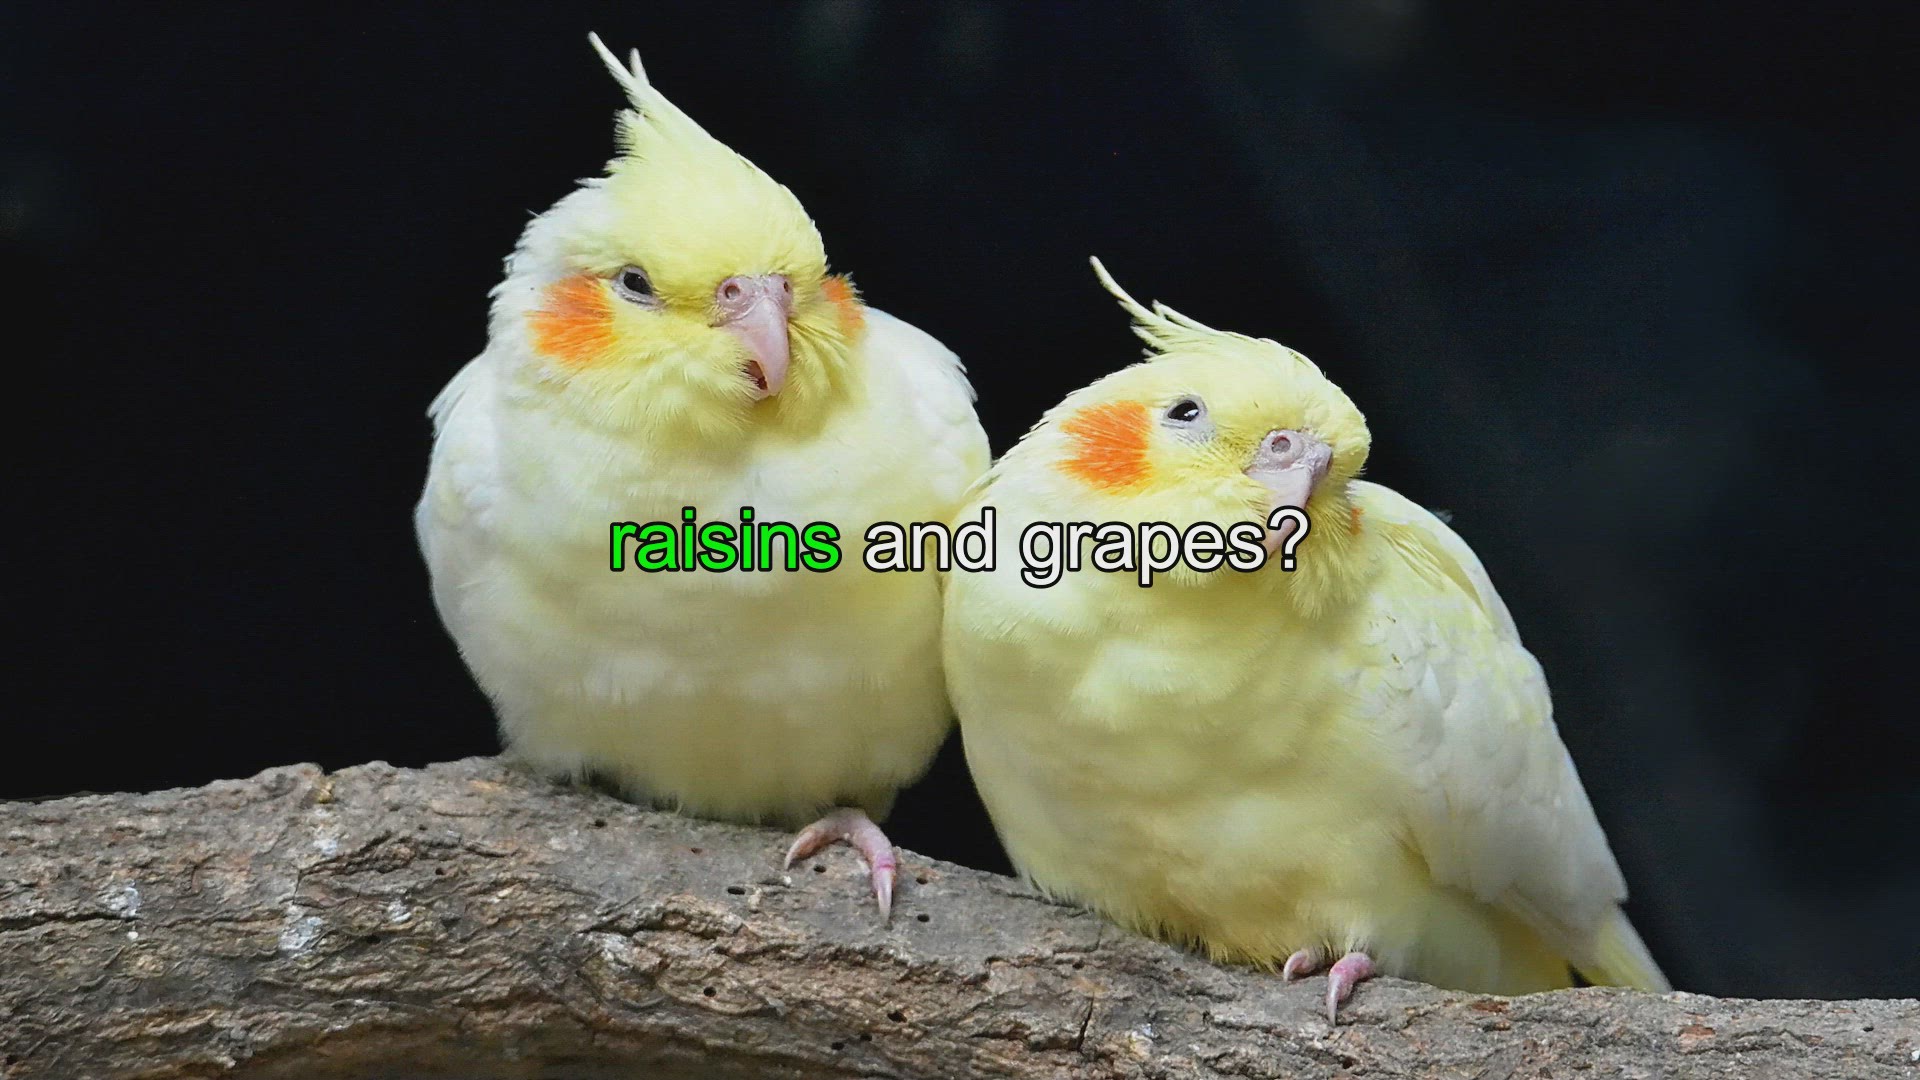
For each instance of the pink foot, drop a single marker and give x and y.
(1346, 973)
(1302, 964)
(852, 825)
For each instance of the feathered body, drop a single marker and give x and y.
(1357, 756)
(618, 386)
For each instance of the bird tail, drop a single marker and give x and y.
(1621, 959)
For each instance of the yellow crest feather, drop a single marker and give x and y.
(651, 109)
(1166, 330)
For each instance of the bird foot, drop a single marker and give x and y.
(1346, 973)
(853, 826)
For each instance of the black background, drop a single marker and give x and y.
(1615, 284)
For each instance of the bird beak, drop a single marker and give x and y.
(756, 309)
(1290, 465)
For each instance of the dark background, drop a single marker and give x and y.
(1615, 284)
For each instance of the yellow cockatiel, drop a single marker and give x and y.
(1349, 766)
(668, 336)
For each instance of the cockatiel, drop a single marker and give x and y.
(667, 337)
(1351, 766)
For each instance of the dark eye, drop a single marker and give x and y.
(631, 282)
(1185, 411)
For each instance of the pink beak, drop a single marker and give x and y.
(756, 309)
(1289, 464)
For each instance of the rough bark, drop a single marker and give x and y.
(465, 920)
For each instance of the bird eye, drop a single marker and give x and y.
(1185, 411)
(632, 284)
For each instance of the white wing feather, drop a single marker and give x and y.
(451, 520)
(939, 399)
(1497, 808)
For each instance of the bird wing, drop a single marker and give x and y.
(452, 520)
(1496, 807)
(939, 403)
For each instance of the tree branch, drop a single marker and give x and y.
(466, 920)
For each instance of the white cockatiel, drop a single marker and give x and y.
(668, 336)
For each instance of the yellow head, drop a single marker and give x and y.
(1213, 426)
(683, 295)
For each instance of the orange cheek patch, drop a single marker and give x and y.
(576, 325)
(1110, 444)
(1354, 519)
(839, 293)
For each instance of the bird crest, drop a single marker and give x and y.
(1166, 330)
(653, 121)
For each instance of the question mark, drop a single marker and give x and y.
(1293, 537)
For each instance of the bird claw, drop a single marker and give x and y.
(1347, 972)
(853, 826)
(1302, 963)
